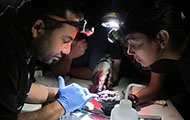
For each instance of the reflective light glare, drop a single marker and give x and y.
(89, 32)
(112, 35)
(111, 24)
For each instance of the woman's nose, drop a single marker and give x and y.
(130, 51)
(66, 48)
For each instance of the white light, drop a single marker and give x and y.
(111, 24)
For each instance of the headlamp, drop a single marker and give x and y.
(81, 25)
(112, 20)
(114, 35)
(88, 31)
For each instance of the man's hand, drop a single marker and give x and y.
(73, 96)
(101, 81)
(78, 48)
(97, 81)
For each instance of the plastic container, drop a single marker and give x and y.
(124, 110)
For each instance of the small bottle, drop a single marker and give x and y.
(124, 110)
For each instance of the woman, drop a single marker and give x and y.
(156, 34)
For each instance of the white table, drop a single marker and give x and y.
(167, 113)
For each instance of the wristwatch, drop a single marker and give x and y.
(134, 99)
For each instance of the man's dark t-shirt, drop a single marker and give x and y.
(14, 84)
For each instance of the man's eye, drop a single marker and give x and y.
(66, 40)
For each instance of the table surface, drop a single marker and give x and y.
(168, 112)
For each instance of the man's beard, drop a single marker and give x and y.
(40, 48)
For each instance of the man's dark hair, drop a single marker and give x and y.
(40, 9)
(151, 16)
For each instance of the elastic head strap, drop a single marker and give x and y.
(56, 17)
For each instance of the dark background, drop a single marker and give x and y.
(95, 9)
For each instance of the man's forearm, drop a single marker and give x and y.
(116, 66)
(40, 94)
(50, 112)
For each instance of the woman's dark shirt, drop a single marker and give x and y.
(184, 67)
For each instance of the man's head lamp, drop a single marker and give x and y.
(81, 25)
(112, 20)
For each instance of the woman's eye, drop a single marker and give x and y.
(132, 46)
(125, 43)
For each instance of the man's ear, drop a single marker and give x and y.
(163, 38)
(38, 28)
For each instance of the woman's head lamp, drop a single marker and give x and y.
(112, 20)
(81, 25)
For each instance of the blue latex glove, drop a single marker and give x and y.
(73, 96)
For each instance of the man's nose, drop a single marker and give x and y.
(66, 48)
